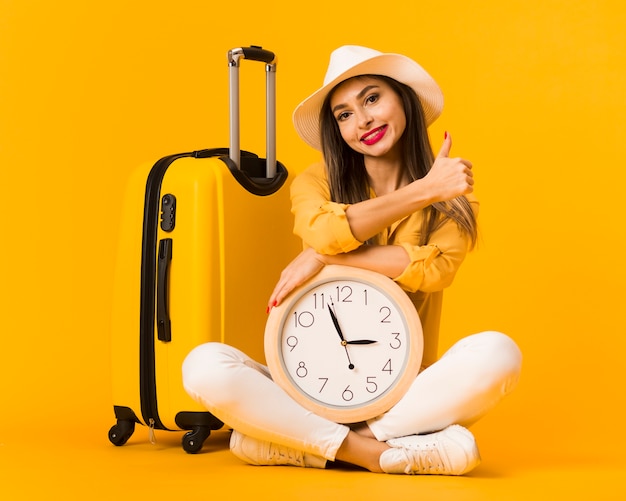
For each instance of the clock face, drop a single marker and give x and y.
(346, 345)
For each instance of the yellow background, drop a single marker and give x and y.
(534, 97)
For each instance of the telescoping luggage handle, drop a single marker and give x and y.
(253, 53)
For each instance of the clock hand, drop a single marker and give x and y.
(336, 323)
(338, 329)
(343, 340)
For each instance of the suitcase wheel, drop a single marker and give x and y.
(121, 432)
(194, 440)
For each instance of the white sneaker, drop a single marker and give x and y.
(262, 453)
(451, 451)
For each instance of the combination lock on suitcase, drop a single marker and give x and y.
(204, 237)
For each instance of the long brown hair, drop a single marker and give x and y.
(347, 176)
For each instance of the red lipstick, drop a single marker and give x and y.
(373, 136)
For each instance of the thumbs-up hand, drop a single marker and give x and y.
(449, 177)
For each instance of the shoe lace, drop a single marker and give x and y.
(425, 459)
(285, 455)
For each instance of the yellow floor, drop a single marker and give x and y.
(41, 463)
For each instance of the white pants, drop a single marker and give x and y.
(470, 378)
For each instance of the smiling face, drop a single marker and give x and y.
(370, 116)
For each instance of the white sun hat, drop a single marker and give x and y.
(352, 60)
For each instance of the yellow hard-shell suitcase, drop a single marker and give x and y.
(204, 237)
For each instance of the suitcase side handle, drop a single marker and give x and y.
(164, 325)
(253, 53)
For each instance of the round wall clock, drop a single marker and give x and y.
(346, 345)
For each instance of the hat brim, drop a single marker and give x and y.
(399, 67)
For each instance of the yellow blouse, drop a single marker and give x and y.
(323, 225)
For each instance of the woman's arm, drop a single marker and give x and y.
(428, 268)
(334, 228)
(447, 179)
(390, 260)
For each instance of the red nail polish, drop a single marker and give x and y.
(275, 303)
(267, 310)
(445, 135)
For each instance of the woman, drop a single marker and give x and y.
(382, 201)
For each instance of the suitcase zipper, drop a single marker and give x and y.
(147, 368)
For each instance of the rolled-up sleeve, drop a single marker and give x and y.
(432, 267)
(320, 223)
